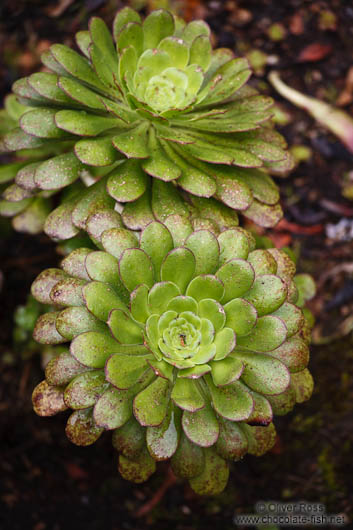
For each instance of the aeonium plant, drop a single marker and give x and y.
(183, 343)
(152, 103)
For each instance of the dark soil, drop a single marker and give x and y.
(48, 483)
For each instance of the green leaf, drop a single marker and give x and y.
(262, 186)
(241, 316)
(131, 35)
(187, 395)
(268, 333)
(232, 401)
(226, 371)
(58, 172)
(44, 283)
(158, 25)
(75, 320)
(96, 152)
(166, 200)
(213, 311)
(303, 385)
(160, 296)
(177, 50)
(201, 426)
(101, 298)
(263, 262)
(162, 441)
(81, 428)
(237, 276)
(232, 443)
(117, 240)
(74, 263)
(102, 52)
(83, 41)
(62, 369)
(180, 228)
(138, 214)
(156, 241)
(263, 373)
(47, 86)
(150, 405)
(75, 65)
(17, 139)
(137, 470)
(103, 267)
(294, 353)
(306, 288)
(263, 214)
(233, 244)
(188, 461)
(127, 182)
(136, 268)
(92, 348)
(129, 439)
(102, 220)
(194, 29)
(229, 78)
(231, 190)
(224, 342)
(123, 17)
(83, 391)
(58, 224)
(158, 164)
(205, 286)
(262, 411)
(123, 328)
(205, 248)
(292, 316)
(124, 371)
(82, 123)
(42, 123)
(138, 303)
(267, 294)
(180, 304)
(200, 52)
(113, 409)
(45, 331)
(93, 199)
(178, 267)
(133, 143)
(260, 439)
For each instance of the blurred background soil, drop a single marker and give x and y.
(48, 483)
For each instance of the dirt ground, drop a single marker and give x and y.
(48, 483)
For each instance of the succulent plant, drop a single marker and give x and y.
(184, 343)
(154, 108)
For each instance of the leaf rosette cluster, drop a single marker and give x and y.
(184, 343)
(152, 103)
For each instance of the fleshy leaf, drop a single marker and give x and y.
(162, 441)
(92, 348)
(232, 402)
(206, 286)
(124, 371)
(113, 409)
(188, 461)
(237, 276)
(214, 476)
(187, 395)
(101, 298)
(156, 241)
(83, 391)
(268, 333)
(136, 268)
(226, 371)
(267, 294)
(178, 267)
(201, 426)
(205, 248)
(123, 328)
(150, 405)
(259, 370)
(241, 316)
(81, 428)
(48, 400)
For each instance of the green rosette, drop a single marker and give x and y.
(184, 343)
(153, 104)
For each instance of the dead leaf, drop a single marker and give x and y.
(314, 52)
